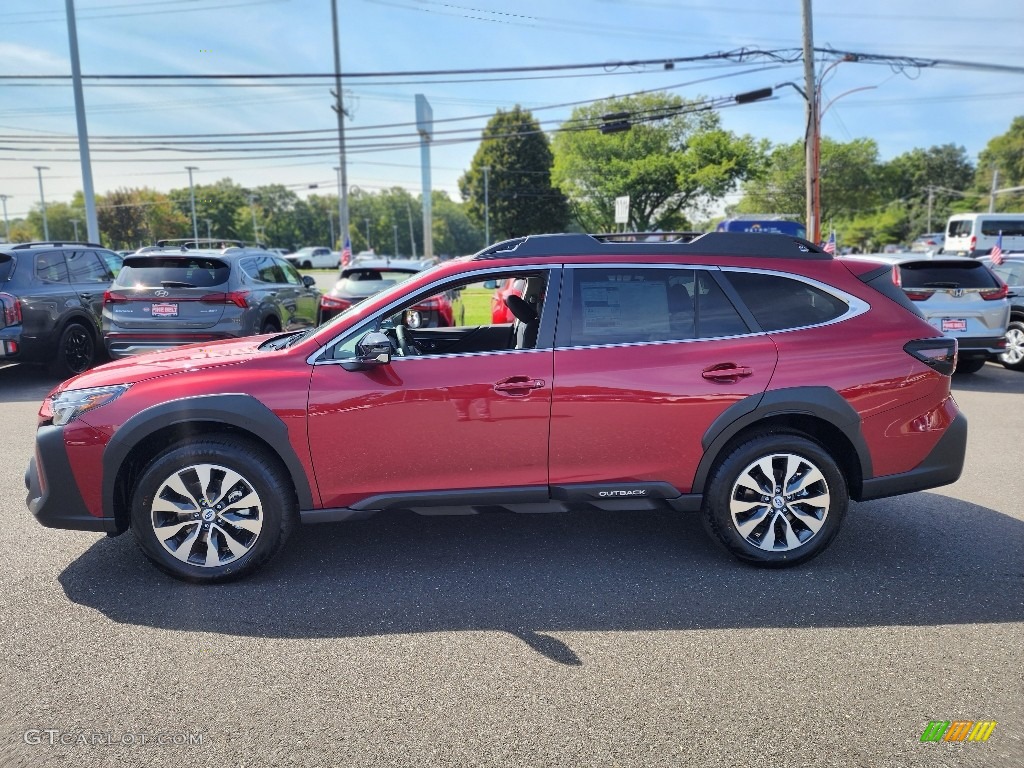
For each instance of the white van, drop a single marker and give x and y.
(975, 234)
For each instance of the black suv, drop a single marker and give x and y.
(51, 298)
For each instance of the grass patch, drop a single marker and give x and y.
(477, 302)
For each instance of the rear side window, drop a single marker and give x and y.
(1010, 272)
(966, 274)
(1009, 227)
(172, 272)
(51, 268)
(6, 267)
(778, 302)
(960, 228)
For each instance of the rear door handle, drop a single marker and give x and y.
(518, 385)
(726, 372)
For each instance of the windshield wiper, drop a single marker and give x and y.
(941, 285)
(175, 284)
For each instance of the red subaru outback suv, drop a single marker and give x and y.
(752, 379)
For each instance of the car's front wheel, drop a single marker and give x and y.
(776, 500)
(212, 510)
(1013, 357)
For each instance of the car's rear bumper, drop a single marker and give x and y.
(53, 497)
(121, 345)
(941, 466)
(980, 346)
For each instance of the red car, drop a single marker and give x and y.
(500, 313)
(360, 282)
(754, 380)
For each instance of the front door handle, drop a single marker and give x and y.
(518, 385)
(728, 372)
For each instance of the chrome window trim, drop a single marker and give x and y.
(316, 358)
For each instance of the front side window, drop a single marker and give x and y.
(86, 267)
(778, 302)
(291, 274)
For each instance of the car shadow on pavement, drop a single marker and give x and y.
(923, 559)
(25, 383)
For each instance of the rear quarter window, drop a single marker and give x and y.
(929, 274)
(778, 302)
(157, 271)
(6, 267)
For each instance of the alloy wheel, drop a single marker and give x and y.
(1014, 354)
(207, 515)
(779, 502)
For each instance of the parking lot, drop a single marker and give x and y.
(593, 639)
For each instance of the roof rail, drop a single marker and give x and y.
(763, 245)
(214, 243)
(52, 244)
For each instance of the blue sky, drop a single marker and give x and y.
(899, 109)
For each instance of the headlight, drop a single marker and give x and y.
(72, 403)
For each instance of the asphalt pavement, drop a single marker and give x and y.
(576, 639)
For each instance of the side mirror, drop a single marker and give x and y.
(371, 350)
(308, 281)
(490, 284)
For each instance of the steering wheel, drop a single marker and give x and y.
(405, 345)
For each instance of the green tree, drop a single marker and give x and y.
(520, 195)
(220, 202)
(59, 221)
(926, 184)
(849, 181)
(129, 218)
(1004, 153)
(672, 160)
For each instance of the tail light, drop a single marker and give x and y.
(239, 298)
(939, 354)
(917, 295)
(333, 303)
(974, 243)
(431, 303)
(113, 297)
(993, 294)
(10, 309)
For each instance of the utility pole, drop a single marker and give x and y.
(7, 224)
(330, 223)
(487, 206)
(192, 193)
(252, 209)
(339, 107)
(992, 198)
(42, 200)
(92, 227)
(395, 226)
(412, 236)
(75, 223)
(811, 141)
(931, 197)
(209, 230)
(368, 246)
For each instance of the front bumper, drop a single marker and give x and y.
(53, 497)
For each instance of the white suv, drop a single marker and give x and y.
(313, 257)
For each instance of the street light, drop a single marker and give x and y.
(7, 224)
(252, 209)
(367, 220)
(395, 226)
(209, 223)
(42, 200)
(192, 194)
(487, 206)
(75, 223)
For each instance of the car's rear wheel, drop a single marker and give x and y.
(1013, 357)
(776, 500)
(212, 510)
(76, 351)
(969, 365)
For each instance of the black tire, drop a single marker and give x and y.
(970, 365)
(76, 351)
(806, 531)
(270, 325)
(1013, 358)
(243, 537)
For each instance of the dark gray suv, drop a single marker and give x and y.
(51, 295)
(172, 295)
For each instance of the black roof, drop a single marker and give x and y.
(680, 243)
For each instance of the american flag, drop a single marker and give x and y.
(997, 252)
(346, 252)
(830, 246)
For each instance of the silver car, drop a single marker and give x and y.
(1011, 272)
(175, 295)
(958, 296)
